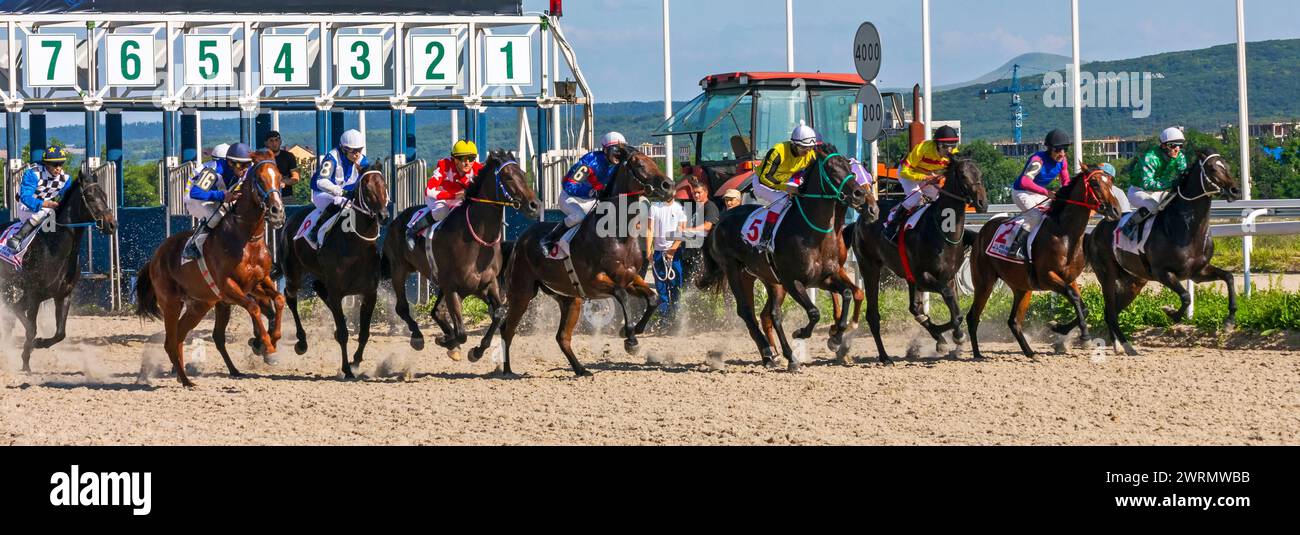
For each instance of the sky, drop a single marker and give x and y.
(969, 39)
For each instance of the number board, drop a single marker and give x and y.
(284, 61)
(360, 60)
(433, 61)
(129, 60)
(51, 60)
(208, 60)
(508, 60)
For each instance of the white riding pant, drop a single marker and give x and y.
(24, 214)
(201, 210)
(1025, 200)
(1139, 198)
(439, 208)
(929, 194)
(575, 208)
(322, 200)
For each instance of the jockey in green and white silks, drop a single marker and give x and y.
(1156, 176)
(42, 189)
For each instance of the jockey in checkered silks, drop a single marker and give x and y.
(39, 195)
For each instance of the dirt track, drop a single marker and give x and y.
(86, 391)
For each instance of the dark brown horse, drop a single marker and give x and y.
(935, 251)
(51, 265)
(347, 263)
(1178, 249)
(608, 257)
(1057, 258)
(466, 250)
(808, 253)
(239, 267)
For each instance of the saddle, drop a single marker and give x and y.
(1003, 246)
(1131, 246)
(756, 222)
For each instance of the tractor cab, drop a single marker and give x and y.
(742, 115)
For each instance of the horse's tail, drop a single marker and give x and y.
(712, 277)
(146, 301)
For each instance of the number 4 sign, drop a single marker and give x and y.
(51, 60)
(284, 61)
(509, 60)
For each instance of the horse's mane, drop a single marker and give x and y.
(263, 155)
(1063, 195)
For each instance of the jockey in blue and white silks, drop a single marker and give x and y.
(337, 175)
(209, 194)
(582, 186)
(42, 189)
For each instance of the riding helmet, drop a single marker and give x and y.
(1057, 139)
(464, 148)
(611, 139)
(1172, 136)
(352, 139)
(803, 135)
(239, 152)
(946, 134)
(54, 155)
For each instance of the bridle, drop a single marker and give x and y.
(840, 196)
(1206, 183)
(512, 202)
(359, 204)
(1089, 194)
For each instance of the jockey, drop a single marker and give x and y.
(1156, 176)
(782, 171)
(338, 175)
(210, 196)
(583, 183)
(446, 188)
(1030, 192)
(43, 186)
(218, 155)
(921, 174)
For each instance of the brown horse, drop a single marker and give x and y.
(608, 259)
(347, 263)
(1058, 258)
(466, 249)
(1178, 249)
(239, 266)
(807, 255)
(935, 251)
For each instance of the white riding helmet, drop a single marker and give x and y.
(804, 135)
(219, 151)
(613, 138)
(1172, 135)
(352, 139)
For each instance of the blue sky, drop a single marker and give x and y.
(969, 38)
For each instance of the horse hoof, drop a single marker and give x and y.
(793, 367)
(913, 353)
(769, 363)
(955, 354)
(979, 358)
(582, 372)
(300, 348)
(886, 360)
(631, 346)
(455, 354)
(417, 343)
(1229, 325)
(1128, 350)
(803, 334)
(444, 342)
(1174, 315)
(1060, 348)
(475, 354)
(834, 343)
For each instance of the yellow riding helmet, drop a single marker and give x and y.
(464, 148)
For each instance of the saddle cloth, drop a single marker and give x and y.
(15, 258)
(1123, 243)
(1001, 247)
(561, 249)
(309, 223)
(427, 233)
(773, 214)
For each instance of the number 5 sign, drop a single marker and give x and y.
(208, 60)
(51, 60)
(130, 60)
(509, 59)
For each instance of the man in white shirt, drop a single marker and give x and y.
(667, 223)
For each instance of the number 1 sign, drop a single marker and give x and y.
(508, 59)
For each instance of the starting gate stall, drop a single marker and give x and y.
(107, 57)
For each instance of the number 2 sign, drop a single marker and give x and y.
(51, 60)
(433, 61)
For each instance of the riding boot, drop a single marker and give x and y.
(16, 242)
(549, 241)
(416, 228)
(895, 222)
(1019, 245)
(1133, 228)
(191, 251)
(329, 212)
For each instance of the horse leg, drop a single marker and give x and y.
(844, 288)
(261, 336)
(1019, 306)
(1118, 294)
(363, 324)
(273, 321)
(1210, 273)
(61, 319)
(221, 318)
(570, 311)
(742, 288)
(871, 282)
(28, 318)
(493, 299)
(1169, 280)
(335, 304)
(916, 300)
(1071, 292)
(772, 319)
(183, 325)
(983, 290)
(949, 295)
(630, 343)
(652, 298)
(457, 318)
(291, 285)
(520, 294)
(799, 292)
(448, 334)
(403, 307)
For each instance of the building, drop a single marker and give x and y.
(653, 150)
(1280, 131)
(301, 153)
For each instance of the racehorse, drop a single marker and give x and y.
(932, 253)
(235, 270)
(466, 249)
(808, 254)
(1057, 258)
(1179, 248)
(51, 265)
(347, 263)
(607, 258)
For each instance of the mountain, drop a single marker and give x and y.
(1031, 63)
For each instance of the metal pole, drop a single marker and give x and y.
(789, 35)
(1073, 87)
(668, 91)
(925, 64)
(1243, 117)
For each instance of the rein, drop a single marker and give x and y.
(838, 197)
(512, 204)
(1205, 191)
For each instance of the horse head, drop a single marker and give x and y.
(965, 182)
(1099, 189)
(94, 204)
(372, 192)
(265, 180)
(638, 173)
(832, 174)
(1215, 176)
(512, 183)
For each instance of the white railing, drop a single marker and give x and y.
(555, 163)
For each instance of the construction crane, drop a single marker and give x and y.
(1017, 108)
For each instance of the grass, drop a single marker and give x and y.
(1271, 254)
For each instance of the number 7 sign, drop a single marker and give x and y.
(51, 60)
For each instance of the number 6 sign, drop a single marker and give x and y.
(130, 61)
(51, 60)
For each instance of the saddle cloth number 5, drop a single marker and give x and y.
(754, 228)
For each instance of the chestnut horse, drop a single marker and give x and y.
(239, 266)
(1057, 258)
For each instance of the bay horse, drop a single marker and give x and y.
(935, 251)
(467, 251)
(1057, 258)
(347, 263)
(608, 259)
(1179, 248)
(809, 252)
(52, 265)
(239, 267)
